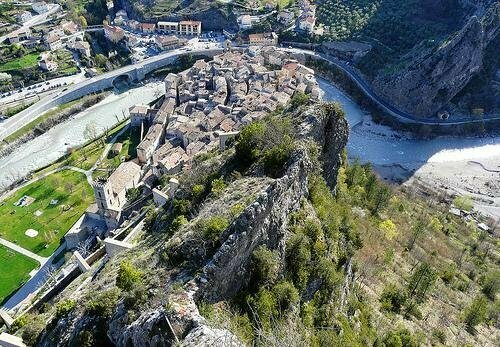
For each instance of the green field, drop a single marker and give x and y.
(14, 270)
(74, 195)
(24, 62)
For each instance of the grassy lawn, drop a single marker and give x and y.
(130, 140)
(74, 195)
(14, 270)
(24, 62)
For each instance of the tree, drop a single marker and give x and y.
(476, 313)
(417, 230)
(421, 281)
(100, 60)
(91, 133)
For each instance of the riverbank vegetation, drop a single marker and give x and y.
(47, 120)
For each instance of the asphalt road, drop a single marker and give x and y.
(16, 122)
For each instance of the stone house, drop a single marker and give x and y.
(169, 42)
(113, 33)
(110, 194)
(263, 39)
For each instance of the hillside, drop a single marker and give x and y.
(417, 41)
(278, 242)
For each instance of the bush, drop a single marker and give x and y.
(18, 324)
(213, 227)
(398, 338)
(135, 297)
(269, 140)
(298, 99)
(218, 186)
(392, 299)
(128, 276)
(463, 203)
(64, 307)
(476, 313)
(286, 295)
(448, 273)
(388, 228)
(132, 194)
(177, 223)
(265, 267)
(102, 304)
(491, 284)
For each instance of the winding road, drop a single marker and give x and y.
(95, 83)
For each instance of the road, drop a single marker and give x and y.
(16, 122)
(401, 116)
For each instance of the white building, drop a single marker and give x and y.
(244, 22)
(40, 7)
(190, 28)
(168, 27)
(23, 17)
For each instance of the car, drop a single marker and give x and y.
(47, 82)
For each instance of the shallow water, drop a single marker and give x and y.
(53, 144)
(380, 145)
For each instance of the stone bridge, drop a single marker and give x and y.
(131, 73)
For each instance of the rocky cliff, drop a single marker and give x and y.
(166, 312)
(428, 77)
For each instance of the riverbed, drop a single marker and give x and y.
(458, 165)
(468, 165)
(54, 143)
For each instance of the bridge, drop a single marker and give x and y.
(137, 72)
(131, 73)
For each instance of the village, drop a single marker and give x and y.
(202, 108)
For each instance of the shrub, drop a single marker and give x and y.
(181, 206)
(64, 307)
(298, 99)
(392, 299)
(286, 295)
(135, 297)
(177, 223)
(264, 305)
(388, 228)
(439, 335)
(448, 273)
(198, 190)
(213, 227)
(102, 304)
(275, 158)
(18, 324)
(128, 276)
(476, 313)
(270, 139)
(491, 284)
(265, 266)
(463, 203)
(132, 194)
(399, 338)
(218, 186)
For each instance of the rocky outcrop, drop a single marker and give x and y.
(427, 78)
(265, 221)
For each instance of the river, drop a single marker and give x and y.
(53, 144)
(369, 142)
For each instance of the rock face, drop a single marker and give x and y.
(265, 221)
(170, 317)
(433, 75)
(209, 12)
